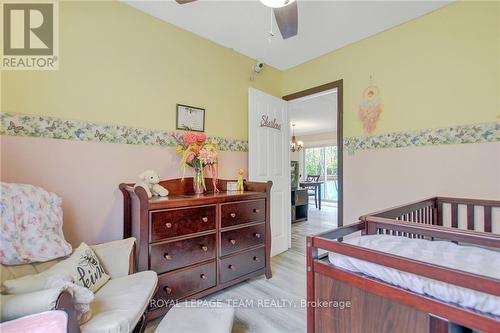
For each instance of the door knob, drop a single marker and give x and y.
(205, 219)
(167, 289)
(167, 256)
(231, 267)
(233, 215)
(256, 259)
(168, 225)
(232, 241)
(257, 235)
(204, 248)
(203, 277)
(256, 210)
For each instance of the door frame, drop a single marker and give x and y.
(340, 137)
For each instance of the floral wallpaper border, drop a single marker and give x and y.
(57, 128)
(51, 127)
(478, 133)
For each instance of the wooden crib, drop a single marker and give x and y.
(381, 307)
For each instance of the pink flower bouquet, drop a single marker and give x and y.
(199, 154)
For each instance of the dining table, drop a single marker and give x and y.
(316, 186)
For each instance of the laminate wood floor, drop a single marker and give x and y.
(275, 305)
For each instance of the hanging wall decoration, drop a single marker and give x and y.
(370, 108)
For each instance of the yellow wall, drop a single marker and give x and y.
(439, 70)
(121, 66)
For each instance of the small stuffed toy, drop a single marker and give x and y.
(240, 186)
(149, 181)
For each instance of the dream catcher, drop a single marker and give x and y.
(370, 108)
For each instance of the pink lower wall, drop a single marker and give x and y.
(382, 178)
(86, 175)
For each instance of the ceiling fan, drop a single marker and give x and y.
(285, 12)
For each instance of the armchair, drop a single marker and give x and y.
(119, 305)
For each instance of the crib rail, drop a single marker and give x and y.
(472, 213)
(461, 213)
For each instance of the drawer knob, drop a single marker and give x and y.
(255, 258)
(232, 241)
(231, 267)
(257, 235)
(203, 277)
(256, 210)
(167, 256)
(204, 248)
(233, 215)
(205, 219)
(167, 289)
(168, 225)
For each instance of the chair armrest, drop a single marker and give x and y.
(117, 257)
(19, 305)
(66, 303)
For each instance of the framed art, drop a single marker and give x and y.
(190, 118)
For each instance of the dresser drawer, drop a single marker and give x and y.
(243, 212)
(243, 238)
(174, 286)
(169, 256)
(178, 222)
(241, 264)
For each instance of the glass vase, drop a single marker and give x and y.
(198, 182)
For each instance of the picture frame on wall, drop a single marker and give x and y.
(190, 118)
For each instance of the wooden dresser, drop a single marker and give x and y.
(199, 244)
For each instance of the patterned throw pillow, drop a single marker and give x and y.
(31, 222)
(83, 265)
(86, 269)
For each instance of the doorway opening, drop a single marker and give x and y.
(322, 161)
(316, 167)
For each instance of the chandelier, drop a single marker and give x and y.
(294, 144)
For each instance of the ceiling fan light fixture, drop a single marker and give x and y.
(276, 3)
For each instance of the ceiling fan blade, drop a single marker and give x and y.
(181, 2)
(287, 19)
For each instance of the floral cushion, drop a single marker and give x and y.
(31, 225)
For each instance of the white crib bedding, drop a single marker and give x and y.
(461, 257)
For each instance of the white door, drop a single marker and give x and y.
(269, 159)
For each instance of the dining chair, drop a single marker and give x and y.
(312, 191)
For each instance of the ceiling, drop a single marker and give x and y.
(314, 114)
(324, 26)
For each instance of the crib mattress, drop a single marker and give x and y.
(461, 257)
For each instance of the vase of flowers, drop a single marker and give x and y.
(199, 154)
(198, 181)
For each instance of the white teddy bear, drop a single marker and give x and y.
(149, 181)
